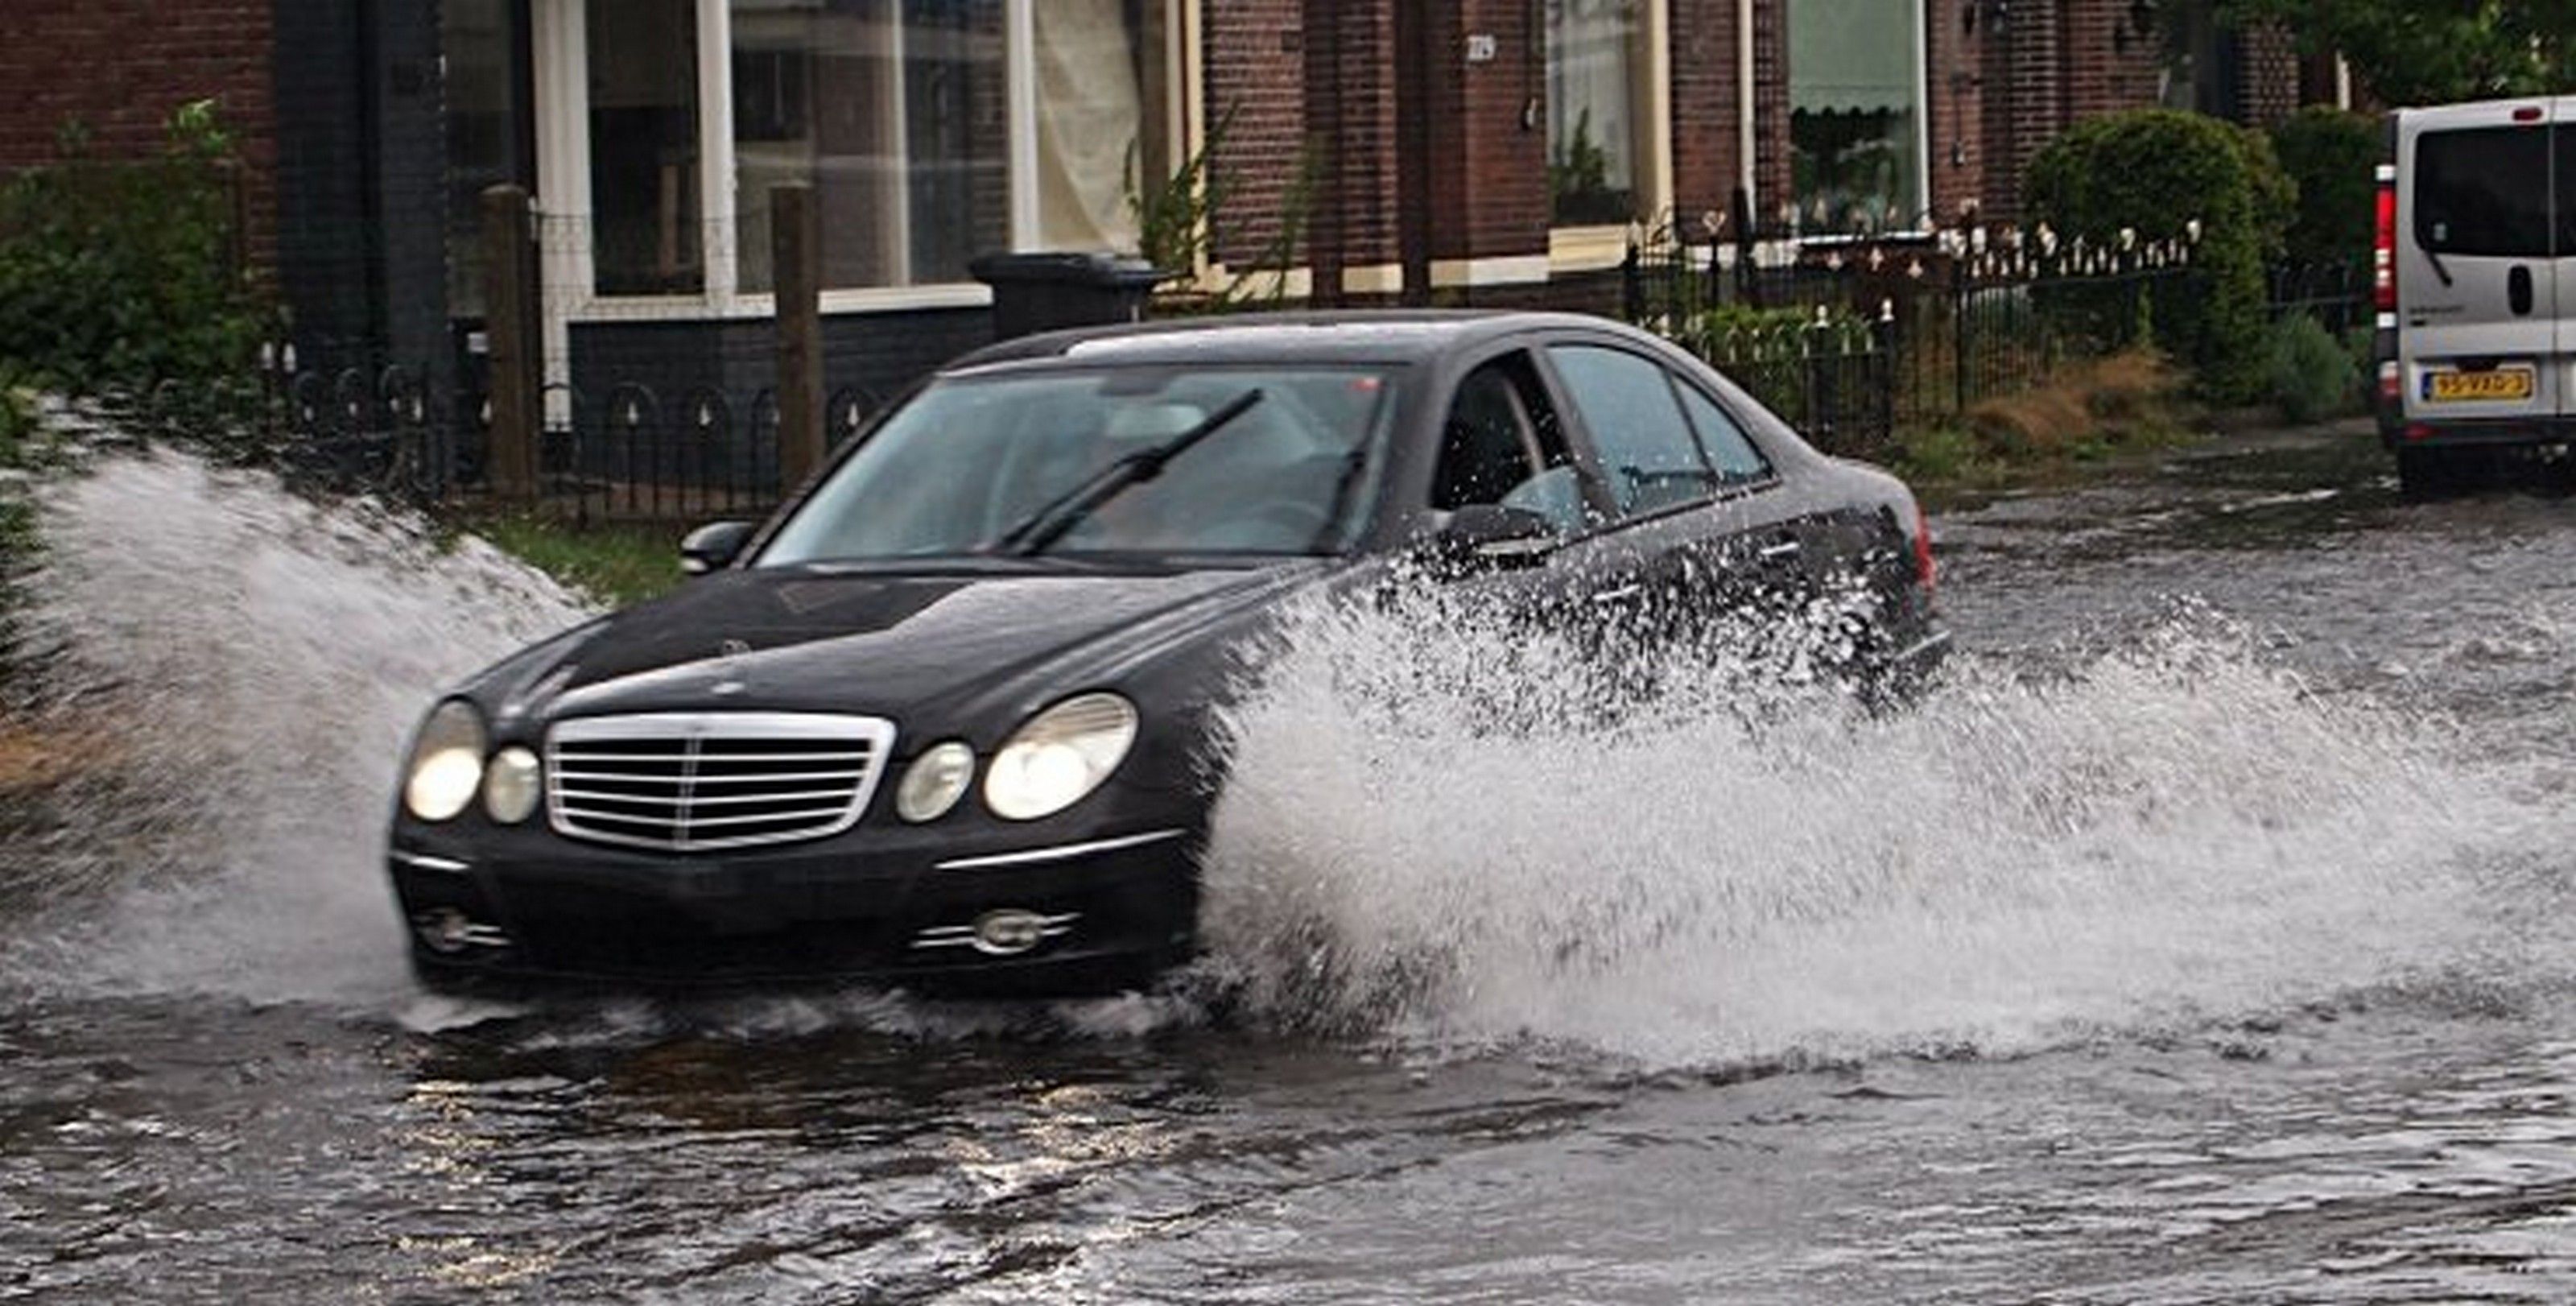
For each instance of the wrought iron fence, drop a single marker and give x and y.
(1856, 340)
(2336, 294)
(628, 452)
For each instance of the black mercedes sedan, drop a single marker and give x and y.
(948, 718)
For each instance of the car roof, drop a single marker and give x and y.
(1383, 336)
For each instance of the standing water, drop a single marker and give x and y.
(2167, 952)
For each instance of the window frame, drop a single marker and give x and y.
(1685, 389)
(560, 58)
(1581, 247)
(1585, 443)
(1546, 432)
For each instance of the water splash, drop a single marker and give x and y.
(257, 660)
(2174, 832)
(1431, 829)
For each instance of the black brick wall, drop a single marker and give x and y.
(361, 168)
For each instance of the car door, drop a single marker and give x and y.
(2477, 277)
(1697, 517)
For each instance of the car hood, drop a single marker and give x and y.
(967, 648)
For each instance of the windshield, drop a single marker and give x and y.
(966, 462)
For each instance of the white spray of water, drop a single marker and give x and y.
(1743, 875)
(258, 660)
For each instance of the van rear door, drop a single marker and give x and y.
(2477, 276)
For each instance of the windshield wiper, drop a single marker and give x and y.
(1068, 510)
(1353, 463)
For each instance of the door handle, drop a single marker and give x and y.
(2517, 291)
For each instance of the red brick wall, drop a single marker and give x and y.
(1350, 105)
(2110, 66)
(1706, 152)
(1955, 88)
(1488, 163)
(1771, 197)
(121, 67)
(2274, 84)
(1254, 57)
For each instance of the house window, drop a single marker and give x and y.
(895, 111)
(932, 131)
(1856, 123)
(643, 98)
(1593, 116)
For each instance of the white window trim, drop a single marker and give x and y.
(1654, 133)
(562, 93)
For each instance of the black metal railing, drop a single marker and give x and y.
(2336, 294)
(628, 451)
(1856, 340)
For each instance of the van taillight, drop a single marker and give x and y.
(2383, 250)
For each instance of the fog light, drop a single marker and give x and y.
(511, 785)
(1011, 930)
(447, 932)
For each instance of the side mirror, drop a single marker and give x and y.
(1482, 535)
(713, 546)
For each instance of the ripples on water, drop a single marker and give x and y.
(2177, 833)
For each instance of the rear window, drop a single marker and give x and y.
(2483, 191)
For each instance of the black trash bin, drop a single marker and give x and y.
(1049, 291)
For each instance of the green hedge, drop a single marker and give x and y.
(2153, 171)
(2330, 155)
(125, 273)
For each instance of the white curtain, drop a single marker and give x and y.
(1852, 54)
(1090, 119)
(1589, 90)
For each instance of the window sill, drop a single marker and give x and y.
(834, 303)
(1586, 249)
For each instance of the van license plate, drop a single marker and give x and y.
(2493, 385)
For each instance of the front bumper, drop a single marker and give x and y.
(894, 907)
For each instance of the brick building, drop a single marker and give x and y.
(1484, 151)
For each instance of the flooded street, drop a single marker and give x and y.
(2207, 937)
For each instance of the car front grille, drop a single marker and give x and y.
(685, 781)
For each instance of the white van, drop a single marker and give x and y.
(2476, 272)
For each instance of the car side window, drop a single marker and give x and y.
(1729, 449)
(1648, 452)
(1501, 444)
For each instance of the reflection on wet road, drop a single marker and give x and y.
(2208, 940)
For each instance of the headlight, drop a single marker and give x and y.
(1062, 754)
(511, 785)
(446, 762)
(934, 782)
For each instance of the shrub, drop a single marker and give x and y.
(125, 273)
(2154, 171)
(2329, 155)
(2311, 373)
